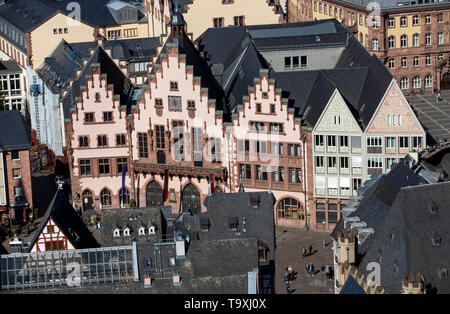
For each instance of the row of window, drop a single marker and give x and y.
(60, 30)
(416, 82)
(373, 141)
(10, 85)
(105, 196)
(272, 127)
(416, 40)
(237, 21)
(415, 20)
(416, 63)
(127, 33)
(103, 164)
(295, 62)
(102, 141)
(276, 148)
(261, 173)
(89, 117)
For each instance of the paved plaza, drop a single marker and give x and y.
(289, 243)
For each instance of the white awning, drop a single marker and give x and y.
(356, 162)
(320, 182)
(332, 182)
(344, 182)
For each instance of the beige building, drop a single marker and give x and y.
(202, 14)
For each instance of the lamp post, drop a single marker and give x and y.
(131, 170)
(324, 235)
(229, 160)
(304, 182)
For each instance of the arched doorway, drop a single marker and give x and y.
(445, 81)
(154, 194)
(191, 199)
(88, 201)
(290, 208)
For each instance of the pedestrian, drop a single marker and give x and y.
(304, 252)
(288, 288)
(312, 269)
(330, 272)
(286, 277)
(98, 226)
(310, 249)
(322, 269)
(307, 270)
(439, 96)
(290, 273)
(327, 272)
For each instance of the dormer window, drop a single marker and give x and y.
(126, 232)
(254, 204)
(151, 230)
(232, 223)
(204, 222)
(141, 231)
(116, 232)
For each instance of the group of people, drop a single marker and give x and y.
(288, 277)
(305, 253)
(437, 92)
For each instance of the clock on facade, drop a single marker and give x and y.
(175, 103)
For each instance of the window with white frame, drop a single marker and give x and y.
(428, 60)
(390, 162)
(391, 63)
(374, 44)
(141, 231)
(416, 40)
(428, 19)
(390, 142)
(404, 62)
(403, 41)
(394, 120)
(391, 42)
(331, 140)
(388, 120)
(391, 22)
(152, 230)
(415, 20)
(116, 232)
(404, 83)
(417, 141)
(416, 83)
(337, 120)
(403, 141)
(429, 80)
(416, 61)
(126, 232)
(428, 39)
(403, 21)
(374, 141)
(318, 139)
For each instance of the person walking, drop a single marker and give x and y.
(286, 277)
(290, 273)
(310, 249)
(322, 269)
(308, 273)
(304, 252)
(288, 288)
(312, 269)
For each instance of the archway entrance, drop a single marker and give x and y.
(88, 201)
(191, 199)
(445, 81)
(154, 194)
(290, 208)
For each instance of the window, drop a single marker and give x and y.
(391, 42)
(174, 86)
(404, 83)
(344, 162)
(416, 40)
(14, 84)
(428, 19)
(287, 62)
(245, 171)
(50, 229)
(158, 102)
(97, 97)
(319, 140)
(16, 173)
(337, 120)
(278, 174)
(440, 18)
(143, 145)
(103, 166)
(120, 140)
(440, 57)
(191, 104)
(160, 139)
(416, 61)
(415, 20)
(114, 34)
(403, 41)
(403, 21)
(319, 162)
(295, 62)
(260, 147)
(276, 148)
(178, 136)
(391, 22)
(107, 116)
(428, 39)
(215, 150)
(391, 63)
(295, 175)
(66, 30)
(331, 162)
(85, 167)
(83, 141)
(272, 108)
(121, 162)
(404, 62)
(390, 163)
(105, 197)
(218, 22)
(374, 44)
(403, 142)
(428, 80)
(440, 38)
(390, 142)
(126, 197)
(15, 155)
(356, 184)
(416, 83)
(428, 60)
(239, 20)
(276, 128)
(304, 61)
(343, 141)
(417, 141)
(102, 141)
(89, 117)
(375, 162)
(258, 107)
(54, 245)
(290, 208)
(331, 140)
(374, 23)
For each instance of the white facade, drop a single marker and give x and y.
(45, 113)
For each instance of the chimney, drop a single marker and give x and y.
(176, 280)
(412, 284)
(16, 245)
(180, 246)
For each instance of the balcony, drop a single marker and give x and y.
(179, 170)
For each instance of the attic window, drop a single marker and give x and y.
(151, 230)
(436, 240)
(126, 232)
(443, 273)
(433, 209)
(116, 232)
(232, 223)
(204, 222)
(265, 95)
(254, 204)
(141, 231)
(262, 253)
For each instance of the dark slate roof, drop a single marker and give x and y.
(9, 66)
(14, 134)
(223, 207)
(392, 4)
(122, 85)
(29, 14)
(351, 286)
(133, 219)
(439, 162)
(67, 219)
(354, 54)
(223, 257)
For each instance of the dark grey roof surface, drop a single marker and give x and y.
(392, 4)
(133, 219)
(67, 219)
(223, 207)
(351, 286)
(9, 66)
(14, 134)
(122, 85)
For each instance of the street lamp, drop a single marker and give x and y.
(324, 235)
